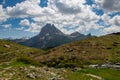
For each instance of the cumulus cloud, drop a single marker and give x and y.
(63, 13)
(34, 1)
(34, 27)
(68, 6)
(115, 21)
(3, 16)
(74, 14)
(25, 9)
(111, 25)
(109, 5)
(111, 29)
(24, 22)
(115, 25)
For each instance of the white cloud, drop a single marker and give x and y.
(85, 19)
(69, 13)
(19, 29)
(7, 26)
(111, 29)
(34, 27)
(63, 13)
(67, 6)
(109, 5)
(28, 8)
(24, 22)
(34, 1)
(114, 22)
(3, 16)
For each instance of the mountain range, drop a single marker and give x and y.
(50, 37)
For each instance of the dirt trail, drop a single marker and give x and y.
(95, 76)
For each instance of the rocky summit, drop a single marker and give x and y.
(50, 37)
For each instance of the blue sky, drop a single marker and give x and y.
(25, 18)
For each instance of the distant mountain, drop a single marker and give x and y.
(19, 40)
(78, 36)
(50, 37)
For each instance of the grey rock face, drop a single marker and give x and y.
(50, 37)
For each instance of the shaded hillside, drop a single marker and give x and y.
(94, 50)
(10, 51)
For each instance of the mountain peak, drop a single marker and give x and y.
(48, 25)
(75, 34)
(50, 29)
(50, 36)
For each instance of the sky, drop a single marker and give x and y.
(25, 18)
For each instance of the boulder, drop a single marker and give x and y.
(7, 46)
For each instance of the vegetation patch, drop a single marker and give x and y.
(105, 73)
(28, 61)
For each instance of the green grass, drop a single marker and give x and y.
(70, 75)
(13, 64)
(14, 51)
(106, 74)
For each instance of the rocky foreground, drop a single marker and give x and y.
(31, 73)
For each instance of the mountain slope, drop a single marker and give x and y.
(77, 36)
(94, 50)
(50, 37)
(10, 51)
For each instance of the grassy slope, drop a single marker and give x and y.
(70, 75)
(10, 51)
(94, 50)
(107, 74)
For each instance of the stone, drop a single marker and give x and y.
(32, 67)
(30, 75)
(46, 68)
(76, 69)
(7, 46)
